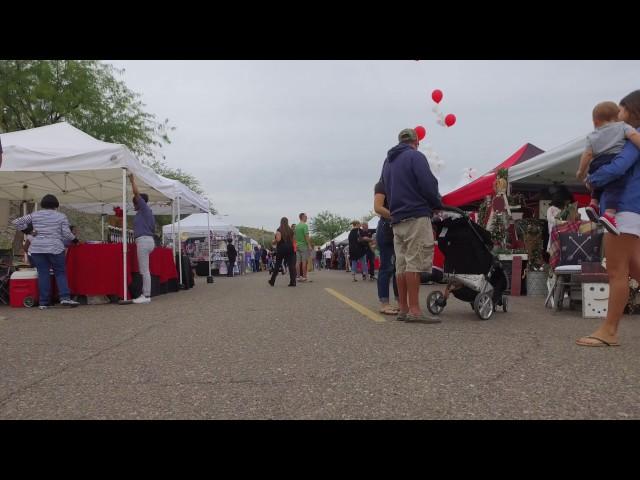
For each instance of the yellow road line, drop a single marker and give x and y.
(363, 310)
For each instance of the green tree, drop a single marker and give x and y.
(189, 180)
(328, 225)
(263, 237)
(319, 240)
(88, 95)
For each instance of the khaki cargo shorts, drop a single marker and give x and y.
(303, 254)
(413, 244)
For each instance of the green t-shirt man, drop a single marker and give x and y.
(302, 230)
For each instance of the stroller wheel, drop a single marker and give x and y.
(483, 306)
(505, 303)
(436, 302)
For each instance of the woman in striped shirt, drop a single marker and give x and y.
(50, 231)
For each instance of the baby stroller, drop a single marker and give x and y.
(472, 273)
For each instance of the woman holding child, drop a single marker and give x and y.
(623, 250)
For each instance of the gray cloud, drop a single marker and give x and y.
(273, 138)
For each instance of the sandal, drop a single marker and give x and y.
(390, 310)
(599, 342)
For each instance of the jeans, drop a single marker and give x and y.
(145, 245)
(44, 262)
(387, 271)
(230, 265)
(354, 266)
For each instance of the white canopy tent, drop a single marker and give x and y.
(200, 224)
(556, 166)
(75, 167)
(344, 237)
(79, 170)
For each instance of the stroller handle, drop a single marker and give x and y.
(447, 208)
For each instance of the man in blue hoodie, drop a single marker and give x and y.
(412, 193)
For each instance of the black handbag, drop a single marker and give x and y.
(29, 229)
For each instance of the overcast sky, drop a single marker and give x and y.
(274, 138)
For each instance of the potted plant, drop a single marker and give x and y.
(530, 229)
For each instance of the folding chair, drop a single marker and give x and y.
(576, 248)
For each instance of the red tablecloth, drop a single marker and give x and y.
(96, 269)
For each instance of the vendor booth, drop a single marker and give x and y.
(477, 190)
(203, 238)
(90, 175)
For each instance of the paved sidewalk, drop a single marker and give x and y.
(240, 349)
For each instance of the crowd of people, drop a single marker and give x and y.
(404, 197)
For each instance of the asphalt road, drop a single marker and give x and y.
(240, 349)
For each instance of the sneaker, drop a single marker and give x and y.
(142, 299)
(609, 223)
(592, 213)
(69, 303)
(291, 285)
(43, 307)
(272, 283)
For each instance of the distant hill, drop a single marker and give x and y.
(263, 237)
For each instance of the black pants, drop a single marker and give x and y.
(230, 264)
(371, 259)
(289, 257)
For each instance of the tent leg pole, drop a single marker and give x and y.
(125, 299)
(180, 244)
(173, 233)
(210, 277)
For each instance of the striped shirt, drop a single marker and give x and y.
(50, 230)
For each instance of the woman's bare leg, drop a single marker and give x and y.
(622, 254)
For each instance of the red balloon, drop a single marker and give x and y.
(421, 131)
(450, 119)
(437, 96)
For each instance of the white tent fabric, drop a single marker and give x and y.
(190, 201)
(158, 208)
(196, 225)
(75, 167)
(344, 237)
(558, 165)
